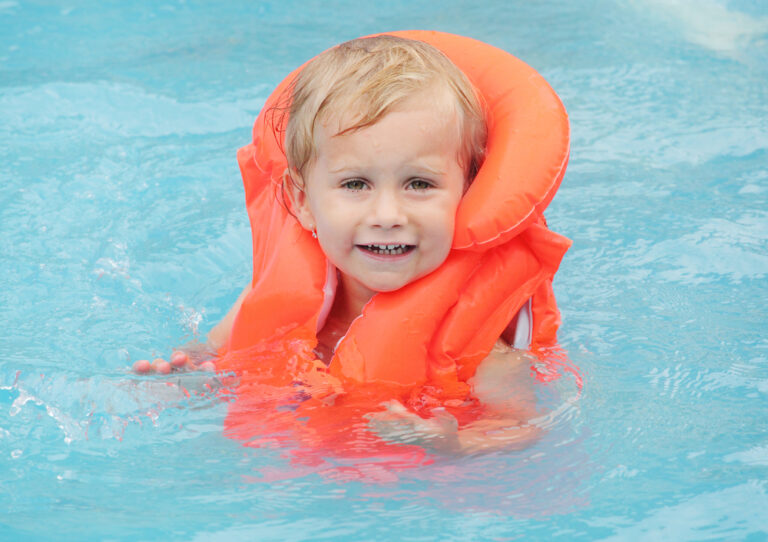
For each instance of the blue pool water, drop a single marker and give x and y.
(124, 234)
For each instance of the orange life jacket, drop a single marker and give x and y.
(438, 328)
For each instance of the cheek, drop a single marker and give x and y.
(449, 220)
(315, 206)
(325, 219)
(442, 230)
(446, 232)
(332, 224)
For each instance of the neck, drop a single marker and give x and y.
(348, 304)
(351, 297)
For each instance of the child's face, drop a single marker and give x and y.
(383, 199)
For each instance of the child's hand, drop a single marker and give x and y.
(441, 432)
(398, 424)
(193, 356)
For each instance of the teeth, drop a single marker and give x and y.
(387, 249)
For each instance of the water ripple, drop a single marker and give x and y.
(703, 517)
(756, 456)
(97, 408)
(122, 110)
(718, 247)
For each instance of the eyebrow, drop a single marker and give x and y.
(340, 169)
(431, 171)
(436, 172)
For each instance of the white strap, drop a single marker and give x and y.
(329, 292)
(524, 327)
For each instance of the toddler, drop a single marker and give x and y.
(354, 246)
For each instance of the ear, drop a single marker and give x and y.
(294, 188)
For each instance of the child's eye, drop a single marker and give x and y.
(419, 184)
(354, 184)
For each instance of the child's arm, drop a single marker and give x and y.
(195, 355)
(504, 386)
(220, 332)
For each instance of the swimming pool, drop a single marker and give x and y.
(124, 234)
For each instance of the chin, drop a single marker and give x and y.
(383, 287)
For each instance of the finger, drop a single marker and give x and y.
(444, 419)
(142, 367)
(396, 407)
(207, 366)
(160, 366)
(179, 359)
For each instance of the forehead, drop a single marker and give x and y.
(358, 110)
(434, 108)
(415, 129)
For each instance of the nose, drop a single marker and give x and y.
(387, 211)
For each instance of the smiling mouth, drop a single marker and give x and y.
(387, 250)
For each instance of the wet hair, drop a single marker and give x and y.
(366, 78)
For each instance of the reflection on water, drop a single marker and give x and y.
(710, 24)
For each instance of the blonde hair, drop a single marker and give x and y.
(369, 77)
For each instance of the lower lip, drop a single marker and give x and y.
(386, 257)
